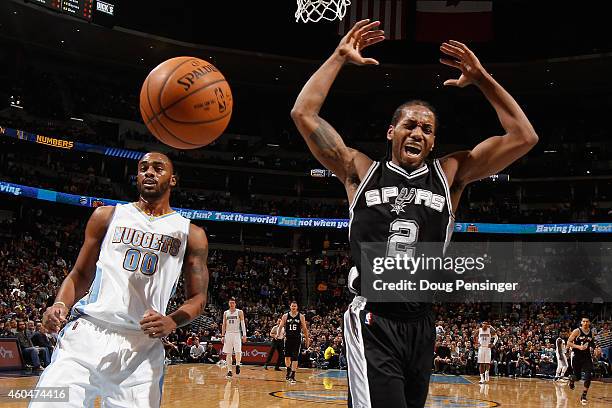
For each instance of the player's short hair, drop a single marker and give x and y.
(584, 317)
(293, 301)
(413, 102)
(232, 299)
(162, 154)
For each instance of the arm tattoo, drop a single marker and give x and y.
(325, 137)
(196, 277)
(196, 282)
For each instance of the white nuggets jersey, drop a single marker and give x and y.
(233, 321)
(139, 265)
(484, 337)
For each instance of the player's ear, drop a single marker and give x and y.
(173, 180)
(390, 132)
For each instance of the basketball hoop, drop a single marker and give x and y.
(317, 10)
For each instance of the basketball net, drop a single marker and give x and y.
(317, 10)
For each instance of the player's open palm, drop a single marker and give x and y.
(462, 58)
(362, 35)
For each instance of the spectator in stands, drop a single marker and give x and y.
(196, 353)
(512, 360)
(257, 337)
(40, 339)
(331, 355)
(171, 349)
(442, 358)
(29, 350)
(602, 363)
(211, 355)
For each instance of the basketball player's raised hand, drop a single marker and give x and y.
(156, 325)
(462, 58)
(55, 316)
(357, 39)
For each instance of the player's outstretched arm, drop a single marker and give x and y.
(322, 139)
(79, 280)
(495, 153)
(195, 275)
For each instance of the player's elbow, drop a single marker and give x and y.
(301, 114)
(528, 136)
(298, 114)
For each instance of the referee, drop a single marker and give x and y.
(278, 334)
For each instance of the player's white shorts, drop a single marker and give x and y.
(561, 360)
(124, 367)
(484, 355)
(233, 342)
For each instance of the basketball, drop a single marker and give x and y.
(185, 102)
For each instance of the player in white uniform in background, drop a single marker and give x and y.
(118, 290)
(560, 349)
(483, 339)
(233, 326)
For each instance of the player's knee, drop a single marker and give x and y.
(587, 380)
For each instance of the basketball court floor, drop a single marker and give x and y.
(201, 385)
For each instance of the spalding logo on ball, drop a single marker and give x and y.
(186, 102)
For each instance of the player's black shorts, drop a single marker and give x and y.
(389, 361)
(582, 363)
(292, 347)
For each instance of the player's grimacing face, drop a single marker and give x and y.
(232, 304)
(294, 307)
(155, 175)
(413, 136)
(585, 323)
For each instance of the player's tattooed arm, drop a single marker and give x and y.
(195, 275)
(322, 139)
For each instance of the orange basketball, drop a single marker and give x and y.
(186, 102)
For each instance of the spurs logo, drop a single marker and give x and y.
(403, 198)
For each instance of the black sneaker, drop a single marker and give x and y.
(238, 370)
(277, 369)
(288, 376)
(583, 399)
(229, 374)
(571, 384)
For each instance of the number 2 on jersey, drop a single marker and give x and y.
(404, 235)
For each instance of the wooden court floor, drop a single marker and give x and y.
(206, 386)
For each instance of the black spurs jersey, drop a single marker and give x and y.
(293, 326)
(399, 207)
(584, 338)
